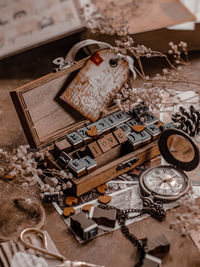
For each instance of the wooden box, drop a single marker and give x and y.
(46, 119)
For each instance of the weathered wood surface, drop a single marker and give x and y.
(23, 68)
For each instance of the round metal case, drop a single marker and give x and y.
(169, 182)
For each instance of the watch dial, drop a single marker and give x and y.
(165, 181)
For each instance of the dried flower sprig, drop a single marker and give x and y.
(25, 167)
(158, 92)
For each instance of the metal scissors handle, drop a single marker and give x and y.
(66, 263)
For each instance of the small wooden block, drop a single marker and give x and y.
(102, 126)
(63, 160)
(70, 200)
(138, 128)
(89, 163)
(92, 131)
(63, 145)
(120, 116)
(105, 217)
(146, 137)
(82, 226)
(111, 121)
(153, 130)
(102, 188)
(77, 167)
(49, 198)
(104, 144)
(94, 149)
(120, 135)
(87, 207)
(158, 246)
(150, 118)
(112, 141)
(135, 140)
(67, 211)
(104, 199)
(75, 139)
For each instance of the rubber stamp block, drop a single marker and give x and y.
(62, 145)
(89, 163)
(103, 126)
(120, 135)
(112, 141)
(111, 120)
(77, 167)
(125, 127)
(120, 116)
(90, 91)
(150, 118)
(75, 139)
(104, 144)
(82, 226)
(94, 150)
(105, 217)
(146, 137)
(135, 140)
(63, 160)
(84, 135)
(153, 130)
(49, 198)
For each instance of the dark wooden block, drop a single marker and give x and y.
(94, 149)
(63, 160)
(120, 135)
(62, 145)
(105, 217)
(158, 246)
(49, 198)
(82, 226)
(104, 144)
(111, 140)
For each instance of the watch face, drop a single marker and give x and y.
(164, 182)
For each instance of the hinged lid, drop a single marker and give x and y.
(179, 149)
(43, 117)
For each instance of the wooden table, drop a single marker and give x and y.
(111, 250)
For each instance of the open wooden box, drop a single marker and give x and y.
(45, 119)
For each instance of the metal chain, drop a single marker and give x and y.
(154, 209)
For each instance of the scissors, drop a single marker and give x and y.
(66, 262)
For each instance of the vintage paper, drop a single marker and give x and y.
(25, 23)
(93, 87)
(145, 15)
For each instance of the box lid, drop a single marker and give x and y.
(43, 116)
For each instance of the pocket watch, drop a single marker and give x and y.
(169, 182)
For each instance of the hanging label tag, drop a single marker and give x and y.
(91, 90)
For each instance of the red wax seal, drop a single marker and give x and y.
(96, 59)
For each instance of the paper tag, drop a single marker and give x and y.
(92, 88)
